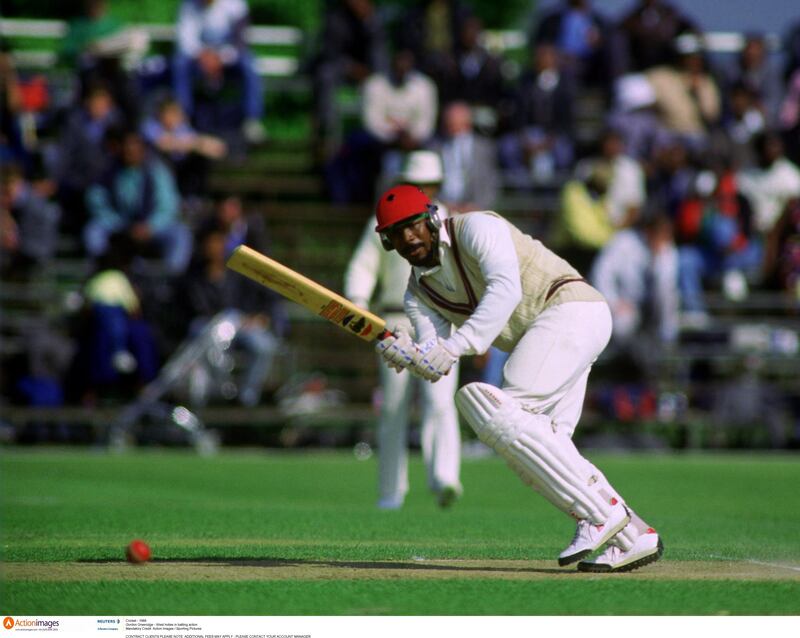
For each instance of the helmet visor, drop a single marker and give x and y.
(392, 231)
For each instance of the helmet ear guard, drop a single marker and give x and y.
(434, 220)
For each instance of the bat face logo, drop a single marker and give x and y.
(334, 311)
(358, 326)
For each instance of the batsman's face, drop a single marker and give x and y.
(415, 242)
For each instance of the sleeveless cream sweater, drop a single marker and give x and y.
(546, 279)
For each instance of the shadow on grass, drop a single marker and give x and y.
(371, 565)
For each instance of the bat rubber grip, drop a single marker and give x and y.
(385, 334)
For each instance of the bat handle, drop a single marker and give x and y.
(385, 334)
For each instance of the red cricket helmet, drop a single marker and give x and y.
(400, 203)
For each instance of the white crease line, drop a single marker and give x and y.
(757, 562)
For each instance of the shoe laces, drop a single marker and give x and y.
(580, 531)
(611, 553)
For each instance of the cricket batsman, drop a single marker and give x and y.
(498, 286)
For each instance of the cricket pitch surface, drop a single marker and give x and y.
(281, 569)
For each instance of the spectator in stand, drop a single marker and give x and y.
(398, 112)
(101, 47)
(353, 47)
(35, 376)
(739, 128)
(187, 151)
(791, 48)
(583, 222)
(28, 225)
(582, 37)
(82, 154)
(771, 184)
(116, 348)
(649, 31)
(431, 30)
(475, 74)
(211, 53)
(14, 147)
(605, 195)
(400, 108)
(687, 97)
(671, 177)
(626, 190)
(717, 239)
(782, 259)
(789, 117)
(471, 179)
(241, 228)
(209, 288)
(540, 144)
(757, 72)
(137, 197)
(635, 117)
(637, 272)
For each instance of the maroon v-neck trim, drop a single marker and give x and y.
(442, 301)
(473, 300)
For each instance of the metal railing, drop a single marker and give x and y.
(498, 41)
(269, 65)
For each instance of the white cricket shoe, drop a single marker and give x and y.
(448, 495)
(590, 537)
(647, 548)
(390, 503)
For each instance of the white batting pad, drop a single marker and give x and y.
(626, 537)
(549, 464)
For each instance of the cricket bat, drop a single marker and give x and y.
(318, 299)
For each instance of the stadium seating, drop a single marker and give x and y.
(316, 239)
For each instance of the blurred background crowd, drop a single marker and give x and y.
(658, 154)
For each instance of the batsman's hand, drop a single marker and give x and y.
(436, 361)
(399, 351)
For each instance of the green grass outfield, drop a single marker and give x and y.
(270, 533)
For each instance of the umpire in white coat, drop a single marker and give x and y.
(374, 270)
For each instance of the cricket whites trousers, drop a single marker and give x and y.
(549, 367)
(440, 437)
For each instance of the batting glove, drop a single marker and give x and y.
(399, 351)
(436, 360)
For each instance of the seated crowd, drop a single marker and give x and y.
(692, 183)
(116, 171)
(696, 161)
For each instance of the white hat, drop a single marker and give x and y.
(422, 167)
(634, 91)
(705, 183)
(687, 44)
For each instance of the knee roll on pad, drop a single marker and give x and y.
(530, 446)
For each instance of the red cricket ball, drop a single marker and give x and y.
(138, 552)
